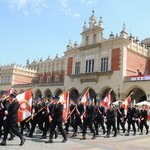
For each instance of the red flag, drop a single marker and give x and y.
(64, 99)
(107, 100)
(85, 97)
(10, 90)
(126, 102)
(25, 101)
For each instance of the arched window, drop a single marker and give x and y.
(87, 40)
(94, 38)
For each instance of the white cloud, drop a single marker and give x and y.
(26, 6)
(67, 9)
(90, 2)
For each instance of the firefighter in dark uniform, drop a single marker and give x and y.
(120, 117)
(57, 120)
(137, 117)
(45, 116)
(99, 117)
(143, 117)
(70, 120)
(131, 117)
(79, 110)
(11, 121)
(111, 120)
(4, 104)
(88, 118)
(37, 119)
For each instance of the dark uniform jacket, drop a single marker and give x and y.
(57, 113)
(120, 112)
(111, 115)
(79, 110)
(4, 106)
(99, 113)
(131, 113)
(89, 112)
(12, 115)
(143, 114)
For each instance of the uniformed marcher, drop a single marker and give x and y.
(99, 117)
(79, 110)
(70, 120)
(143, 117)
(4, 104)
(120, 117)
(88, 119)
(131, 117)
(11, 121)
(111, 120)
(37, 119)
(137, 117)
(57, 120)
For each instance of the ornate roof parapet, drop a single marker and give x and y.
(136, 46)
(111, 36)
(69, 46)
(75, 45)
(100, 23)
(92, 20)
(123, 33)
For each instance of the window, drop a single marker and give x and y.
(89, 66)
(57, 79)
(104, 64)
(41, 79)
(94, 38)
(48, 79)
(87, 40)
(77, 68)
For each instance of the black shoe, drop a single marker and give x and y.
(124, 130)
(141, 133)
(127, 134)
(147, 130)
(3, 143)
(134, 134)
(22, 141)
(94, 137)
(74, 134)
(107, 136)
(49, 141)
(11, 137)
(30, 135)
(56, 135)
(64, 140)
(43, 137)
(83, 138)
(114, 135)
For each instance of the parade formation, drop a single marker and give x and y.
(47, 114)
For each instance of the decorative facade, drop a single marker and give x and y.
(120, 63)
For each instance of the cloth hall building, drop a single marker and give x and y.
(120, 63)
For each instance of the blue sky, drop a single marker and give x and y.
(32, 29)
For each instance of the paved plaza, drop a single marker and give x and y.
(121, 142)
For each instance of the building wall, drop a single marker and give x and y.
(136, 61)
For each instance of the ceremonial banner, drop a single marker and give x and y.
(126, 103)
(25, 101)
(107, 100)
(64, 99)
(85, 97)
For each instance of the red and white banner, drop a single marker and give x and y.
(107, 100)
(25, 101)
(85, 97)
(125, 103)
(64, 99)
